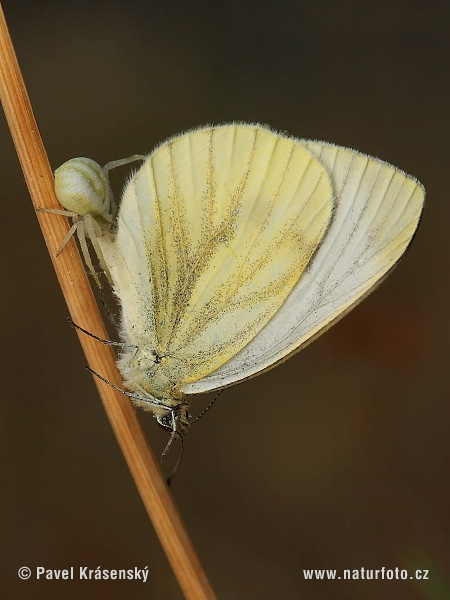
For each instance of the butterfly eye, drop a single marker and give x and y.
(165, 421)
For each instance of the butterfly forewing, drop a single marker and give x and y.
(213, 233)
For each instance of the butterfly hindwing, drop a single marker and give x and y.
(377, 210)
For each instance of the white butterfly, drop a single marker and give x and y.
(234, 246)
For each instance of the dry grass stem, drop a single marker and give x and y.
(83, 310)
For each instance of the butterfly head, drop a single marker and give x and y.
(175, 419)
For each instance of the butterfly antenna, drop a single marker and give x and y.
(207, 408)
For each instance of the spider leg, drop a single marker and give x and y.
(91, 226)
(85, 251)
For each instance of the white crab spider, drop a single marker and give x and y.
(82, 188)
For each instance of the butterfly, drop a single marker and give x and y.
(232, 248)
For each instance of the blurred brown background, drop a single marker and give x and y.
(338, 458)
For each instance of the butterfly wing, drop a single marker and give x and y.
(377, 210)
(213, 233)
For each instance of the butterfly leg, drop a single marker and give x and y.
(95, 337)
